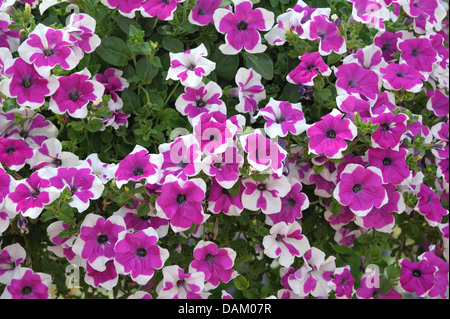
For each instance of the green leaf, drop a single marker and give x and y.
(234, 191)
(226, 65)
(261, 63)
(77, 125)
(172, 45)
(393, 271)
(94, 125)
(114, 51)
(241, 283)
(143, 209)
(343, 249)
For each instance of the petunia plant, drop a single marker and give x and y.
(224, 149)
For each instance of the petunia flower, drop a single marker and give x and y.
(290, 20)
(416, 277)
(202, 14)
(441, 281)
(62, 247)
(262, 153)
(74, 93)
(9, 39)
(418, 53)
(285, 242)
(438, 102)
(137, 166)
(11, 257)
(27, 284)
(370, 12)
(106, 279)
(387, 42)
(220, 200)
(50, 154)
(382, 218)
(177, 284)
(31, 195)
(14, 153)
(190, 66)
(181, 157)
(402, 76)
(292, 205)
(224, 167)
(127, 8)
(361, 189)
(96, 240)
(26, 84)
(392, 164)
(328, 135)
(200, 99)
(390, 130)
(113, 82)
(82, 184)
(351, 103)
(321, 29)
(310, 66)
(46, 47)
(242, 26)
(282, 118)
(429, 205)
(215, 262)
(370, 287)
(369, 57)
(343, 283)
(265, 195)
(81, 29)
(102, 170)
(138, 254)
(162, 9)
(181, 202)
(353, 78)
(250, 90)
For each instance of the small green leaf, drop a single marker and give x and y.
(261, 63)
(234, 191)
(114, 51)
(77, 125)
(143, 209)
(172, 45)
(94, 125)
(241, 282)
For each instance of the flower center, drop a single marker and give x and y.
(281, 119)
(415, 52)
(181, 198)
(310, 67)
(74, 95)
(242, 25)
(141, 252)
(279, 237)
(10, 150)
(200, 103)
(291, 202)
(57, 162)
(351, 84)
(330, 133)
(209, 258)
(400, 74)
(35, 193)
(165, 1)
(416, 273)
(357, 188)
(138, 170)
(386, 46)
(387, 161)
(102, 239)
(48, 52)
(27, 82)
(201, 12)
(321, 34)
(385, 127)
(27, 290)
(261, 187)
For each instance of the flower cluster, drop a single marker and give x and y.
(273, 186)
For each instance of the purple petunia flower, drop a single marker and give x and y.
(416, 277)
(181, 202)
(137, 166)
(113, 82)
(387, 42)
(50, 154)
(402, 76)
(215, 262)
(177, 284)
(438, 102)
(429, 205)
(14, 153)
(441, 281)
(321, 29)
(220, 200)
(46, 47)
(242, 26)
(327, 136)
(9, 39)
(190, 66)
(310, 66)
(351, 103)
(370, 12)
(370, 287)
(127, 8)
(392, 164)
(419, 53)
(82, 184)
(97, 238)
(390, 130)
(138, 255)
(74, 93)
(26, 84)
(107, 278)
(162, 9)
(81, 29)
(282, 118)
(202, 14)
(250, 90)
(361, 189)
(343, 283)
(285, 242)
(353, 78)
(31, 195)
(11, 257)
(265, 195)
(27, 284)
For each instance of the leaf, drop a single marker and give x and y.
(234, 191)
(261, 63)
(114, 51)
(241, 283)
(343, 249)
(94, 125)
(226, 65)
(172, 45)
(143, 209)
(77, 125)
